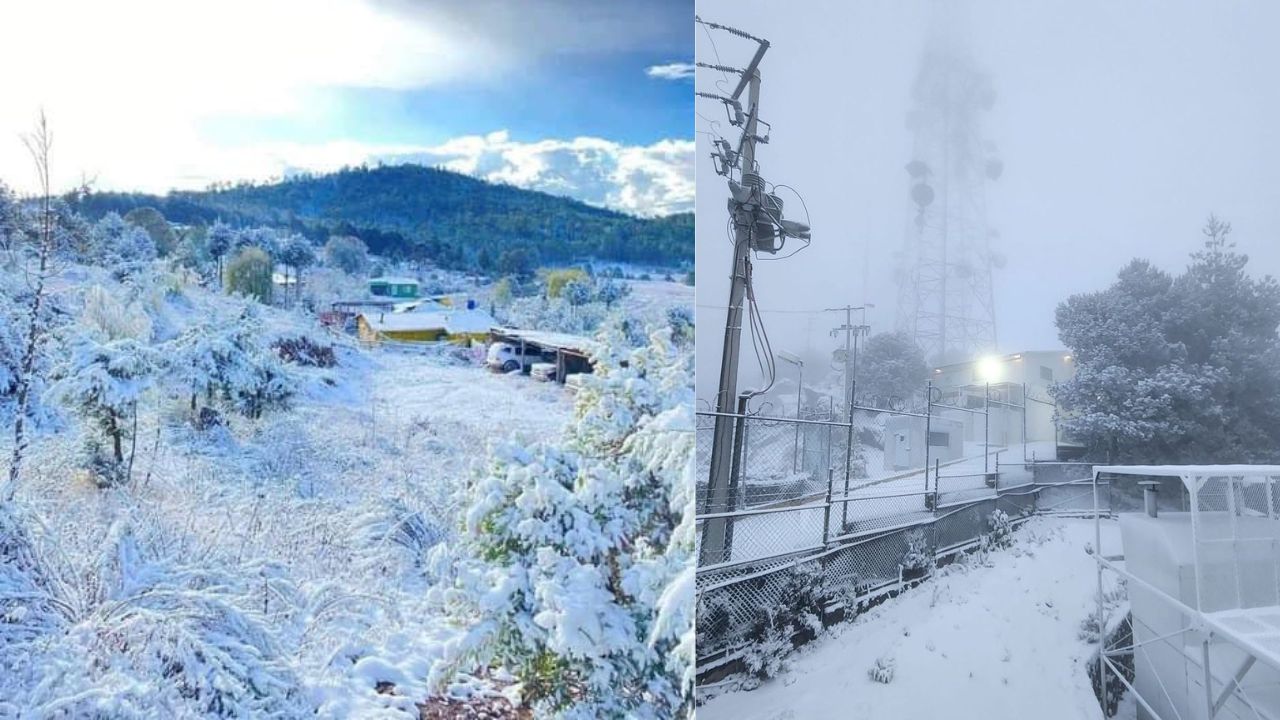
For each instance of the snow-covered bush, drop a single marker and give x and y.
(11, 324)
(796, 609)
(883, 669)
(1001, 529)
(575, 563)
(766, 656)
(392, 528)
(680, 319)
(919, 554)
(130, 632)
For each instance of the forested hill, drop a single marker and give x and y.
(412, 211)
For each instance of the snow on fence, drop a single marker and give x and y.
(823, 517)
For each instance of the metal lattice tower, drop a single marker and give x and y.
(945, 297)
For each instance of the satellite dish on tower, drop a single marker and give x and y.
(922, 194)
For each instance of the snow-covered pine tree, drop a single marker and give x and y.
(574, 568)
(119, 246)
(105, 367)
(230, 360)
(1172, 369)
(890, 370)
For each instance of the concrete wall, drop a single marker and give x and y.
(904, 442)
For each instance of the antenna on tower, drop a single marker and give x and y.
(759, 225)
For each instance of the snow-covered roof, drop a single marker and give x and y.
(563, 341)
(1188, 470)
(420, 306)
(394, 280)
(468, 321)
(1190, 474)
(451, 321)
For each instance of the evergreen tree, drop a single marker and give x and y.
(347, 253)
(891, 369)
(1176, 369)
(575, 566)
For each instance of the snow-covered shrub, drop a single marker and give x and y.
(574, 568)
(883, 669)
(680, 319)
(766, 656)
(130, 632)
(919, 555)
(11, 345)
(797, 608)
(1001, 530)
(390, 528)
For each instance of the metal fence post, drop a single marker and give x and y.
(826, 513)
(928, 427)
(1024, 423)
(986, 426)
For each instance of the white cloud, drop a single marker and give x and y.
(132, 87)
(646, 180)
(671, 71)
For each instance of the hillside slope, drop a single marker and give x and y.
(412, 211)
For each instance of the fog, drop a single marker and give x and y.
(1121, 127)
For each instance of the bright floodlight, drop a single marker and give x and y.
(989, 368)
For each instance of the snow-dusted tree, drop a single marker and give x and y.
(45, 245)
(264, 238)
(891, 369)
(296, 252)
(221, 237)
(119, 246)
(680, 320)
(577, 291)
(574, 567)
(161, 232)
(106, 366)
(347, 253)
(249, 274)
(228, 359)
(611, 291)
(1176, 369)
(12, 225)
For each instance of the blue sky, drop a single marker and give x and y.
(554, 95)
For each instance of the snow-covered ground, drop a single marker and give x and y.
(312, 500)
(985, 641)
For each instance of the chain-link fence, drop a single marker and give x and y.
(844, 511)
